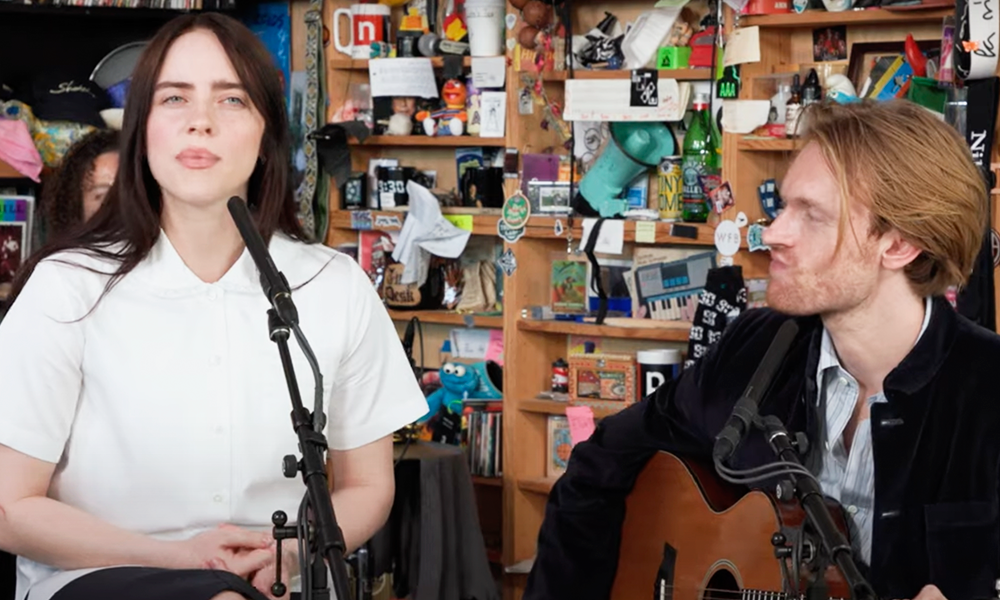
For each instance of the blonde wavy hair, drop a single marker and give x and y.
(915, 174)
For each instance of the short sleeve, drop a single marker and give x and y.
(41, 350)
(374, 392)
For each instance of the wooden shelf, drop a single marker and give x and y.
(448, 318)
(766, 144)
(678, 333)
(679, 74)
(872, 16)
(445, 141)
(9, 172)
(115, 12)
(554, 407)
(488, 481)
(359, 64)
(544, 227)
(540, 485)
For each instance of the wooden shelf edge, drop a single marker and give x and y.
(392, 220)
(765, 144)
(448, 141)
(361, 64)
(544, 228)
(697, 74)
(555, 407)
(487, 481)
(442, 317)
(870, 16)
(662, 334)
(540, 485)
(9, 172)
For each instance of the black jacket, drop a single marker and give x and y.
(936, 445)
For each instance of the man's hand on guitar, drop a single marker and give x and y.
(930, 592)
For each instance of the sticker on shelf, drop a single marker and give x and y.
(361, 220)
(511, 20)
(508, 233)
(516, 210)
(558, 229)
(741, 219)
(755, 238)
(727, 238)
(388, 222)
(507, 262)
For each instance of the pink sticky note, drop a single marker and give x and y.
(494, 351)
(581, 423)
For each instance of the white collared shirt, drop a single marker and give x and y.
(167, 409)
(849, 478)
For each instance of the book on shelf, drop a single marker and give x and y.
(482, 432)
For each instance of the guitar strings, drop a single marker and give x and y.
(761, 473)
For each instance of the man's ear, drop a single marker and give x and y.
(898, 252)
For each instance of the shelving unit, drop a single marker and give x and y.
(679, 74)
(422, 141)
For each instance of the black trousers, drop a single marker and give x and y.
(147, 583)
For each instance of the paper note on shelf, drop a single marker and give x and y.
(470, 343)
(743, 46)
(489, 71)
(402, 77)
(495, 350)
(460, 221)
(609, 100)
(610, 240)
(581, 423)
(645, 232)
(743, 116)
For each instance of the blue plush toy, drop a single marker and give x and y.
(458, 382)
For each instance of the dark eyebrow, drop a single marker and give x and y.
(184, 85)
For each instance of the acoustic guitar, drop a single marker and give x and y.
(689, 536)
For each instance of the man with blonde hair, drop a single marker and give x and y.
(884, 210)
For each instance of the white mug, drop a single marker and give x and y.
(368, 23)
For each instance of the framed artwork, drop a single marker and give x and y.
(602, 381)
(866, 55)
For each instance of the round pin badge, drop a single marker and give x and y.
(514, 217)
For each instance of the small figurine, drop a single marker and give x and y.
(451, 119)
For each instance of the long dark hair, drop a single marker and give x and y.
(127, 225)
(62, 195)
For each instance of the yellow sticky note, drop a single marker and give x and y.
(461, 221)
(645, 232)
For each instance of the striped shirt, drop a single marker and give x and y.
(849, 477)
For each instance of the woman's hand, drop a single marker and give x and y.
(227, 548)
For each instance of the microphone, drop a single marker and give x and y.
(274, 284)
(746, 407)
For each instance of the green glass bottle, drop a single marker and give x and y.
(700, 157)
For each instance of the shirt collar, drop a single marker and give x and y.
(828, 354)
(165, 271)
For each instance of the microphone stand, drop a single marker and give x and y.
(327, 537)
(807, 491)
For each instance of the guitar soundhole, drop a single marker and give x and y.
(722, 586)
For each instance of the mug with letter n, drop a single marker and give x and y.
(369, 24)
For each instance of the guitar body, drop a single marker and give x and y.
(688, 536)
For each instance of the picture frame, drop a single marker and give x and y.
(864, 54)
(602, 381)
(549, 197)
(13, 250)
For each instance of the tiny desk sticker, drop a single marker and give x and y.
(388, 222)
(755, 238)
(507, 262)
(645, 88)
(361, 220)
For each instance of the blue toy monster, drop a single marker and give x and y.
(458, 382)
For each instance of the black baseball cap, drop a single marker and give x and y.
(68, 97)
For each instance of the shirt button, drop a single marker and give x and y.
(216, 360)
(842, 380)
(219, 429)
(213, 294)
(218, 498)
(852, 509)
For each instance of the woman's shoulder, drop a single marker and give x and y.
(304, 262)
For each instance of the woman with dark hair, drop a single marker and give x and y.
(144, 413)
(78, 187)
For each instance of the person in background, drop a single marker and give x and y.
(144, 412)
(74, 192)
